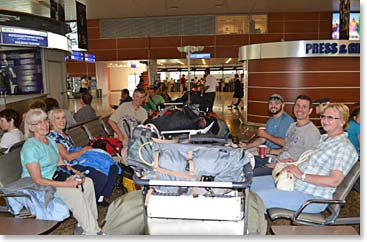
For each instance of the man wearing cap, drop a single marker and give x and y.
(210, 87)
(273, 136)
(301, 135)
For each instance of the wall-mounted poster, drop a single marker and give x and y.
(21, 72)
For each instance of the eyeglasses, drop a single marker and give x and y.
(41, 122)
(328, 118)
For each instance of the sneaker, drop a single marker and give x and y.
(78, 229)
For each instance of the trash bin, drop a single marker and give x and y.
(99, 93)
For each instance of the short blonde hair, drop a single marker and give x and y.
(52, 114)
(341, 108)
(33, 116)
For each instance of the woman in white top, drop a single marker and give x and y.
(9, 123)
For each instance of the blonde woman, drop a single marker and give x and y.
(40, 158)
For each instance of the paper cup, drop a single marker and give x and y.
(262, 151)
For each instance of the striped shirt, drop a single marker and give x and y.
(335, 153)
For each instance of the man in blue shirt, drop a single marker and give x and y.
(273, 136)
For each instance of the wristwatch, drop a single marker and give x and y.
(303, 177)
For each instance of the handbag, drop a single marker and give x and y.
(284, 180)
(62, 173)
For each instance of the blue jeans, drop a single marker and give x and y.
(264, 186)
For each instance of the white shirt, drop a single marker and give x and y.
(10, 138)
(211, 82)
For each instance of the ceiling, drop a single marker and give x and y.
(105, 9)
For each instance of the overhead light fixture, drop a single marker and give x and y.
(203, 61)
(219, 5)
(180, 62)
(174, 7)
(228, 60)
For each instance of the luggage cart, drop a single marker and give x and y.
(207, 214)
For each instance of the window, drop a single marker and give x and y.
(244, 24)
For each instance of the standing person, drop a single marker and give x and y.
(182, 83)
(125, 97)
(321, 173)
(301, 135)
(276, 127)
(9, 123)
(40, 158)
(210, 87)
(238, 91)
(354, 129)
(132, 110)
(84, 85)
(86, 112)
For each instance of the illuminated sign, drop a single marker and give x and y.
(89, 57)
(200, 56)
(19, 36)
(78, 56)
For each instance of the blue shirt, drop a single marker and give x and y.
(354, 130)
(47, 155)
(278, 127)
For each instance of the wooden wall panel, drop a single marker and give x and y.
(227, 51)
(289, 95)
(275, 17)
(105, 55)
(325, 26)
(164, 53)
(207, 40)
(275, 27)
(93, 33)
(102, 44)
(301, 16)
(265, 38)
(93, 23)
(132, 43)
(303, 36)
(305, 64)
(298, 79)
(165, 41)
(76, 67)
(132, 54)
(234, 39)
(301, 27)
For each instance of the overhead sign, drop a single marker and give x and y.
(199, 56)
(78, 56)
(19, 36)
(89, 57)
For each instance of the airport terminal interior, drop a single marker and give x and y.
(259, 59)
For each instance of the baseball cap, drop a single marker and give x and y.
(276, 96)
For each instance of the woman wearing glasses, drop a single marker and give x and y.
(321, 173)
(40, 158)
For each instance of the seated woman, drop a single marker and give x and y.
(40, 158)
(321, 173)
(9, 123)
(102, 168)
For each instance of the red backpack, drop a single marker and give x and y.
(112, 145)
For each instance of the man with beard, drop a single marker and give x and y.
(273, 136)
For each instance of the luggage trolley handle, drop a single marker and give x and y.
(206, 184)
